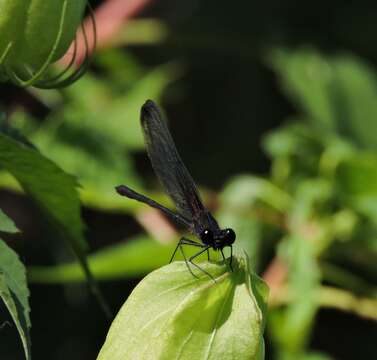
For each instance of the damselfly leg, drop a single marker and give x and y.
(185, 241)
(197, 266)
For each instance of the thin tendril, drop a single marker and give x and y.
(6, 52)
(80, 71)
(62, 78)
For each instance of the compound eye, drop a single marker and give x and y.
(207, 236)
(230, 236)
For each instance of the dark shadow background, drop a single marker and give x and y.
(227, 96)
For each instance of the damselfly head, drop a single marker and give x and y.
(219, 239)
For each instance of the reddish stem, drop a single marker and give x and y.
(110, 18)
(275, 276)
(156, 225)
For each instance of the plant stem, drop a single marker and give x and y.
(330, 297)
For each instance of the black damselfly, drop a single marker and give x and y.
(180, 186)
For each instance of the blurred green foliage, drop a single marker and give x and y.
(96, 122)
(325, 159)
(313, 217)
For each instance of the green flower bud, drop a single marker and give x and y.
(12, 19)
(173, 315)
(34, 34)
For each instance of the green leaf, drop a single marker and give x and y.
(15, 293)
(310, 195)
(122, 67)
(124, 111)
(306, 77)
(243, 191)
(294, 139)
(97, 190)
(338, 94)
(55, 193)
(116, 115)
(7, 224)
(357, 183)
(296, 149)
(172, 314)
(52, 189)
(133, 258)
(356, 100)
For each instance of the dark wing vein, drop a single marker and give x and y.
(171, 171)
